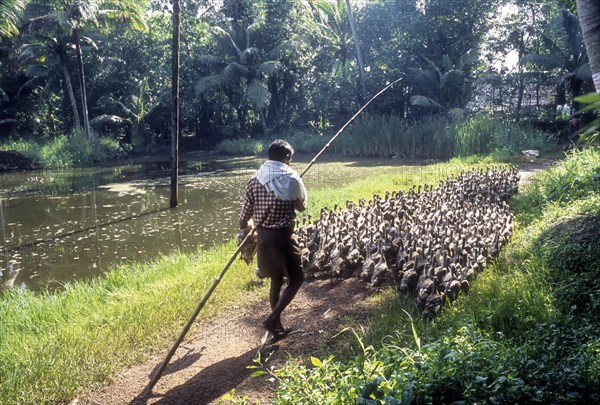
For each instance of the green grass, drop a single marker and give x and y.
(527, 332)
(56, 345)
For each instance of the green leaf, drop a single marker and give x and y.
(589, 98)
(209, 82)
(257, 373)
(316, 362)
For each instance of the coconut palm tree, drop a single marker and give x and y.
(359, 58)
(9, 10)
(75, 16)
(589, 15)
(242, 65)
(45, 58)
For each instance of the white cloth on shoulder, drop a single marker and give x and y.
(281, 179)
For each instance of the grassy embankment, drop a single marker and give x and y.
(528, 331)
(57, 345)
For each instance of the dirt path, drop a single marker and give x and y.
(215, 361)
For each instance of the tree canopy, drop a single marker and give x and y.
(255, 67)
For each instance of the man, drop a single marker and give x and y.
(272, 195)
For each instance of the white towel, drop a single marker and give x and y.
(282, 180)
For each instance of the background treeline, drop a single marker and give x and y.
(98, 72)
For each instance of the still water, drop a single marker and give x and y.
(60, 226)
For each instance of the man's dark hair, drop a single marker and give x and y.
(280, 150)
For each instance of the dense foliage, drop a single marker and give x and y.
(256, 68)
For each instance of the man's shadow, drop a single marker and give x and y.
(208, 385)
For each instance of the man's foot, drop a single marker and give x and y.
(279, 334)
(276, 328)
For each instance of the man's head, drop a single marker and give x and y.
(281, 151)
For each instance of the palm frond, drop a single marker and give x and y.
(109, 101)
(281, 49)
(29, 53)
(584, 72)
(226, 34)
(270, 67)
(234, 71)
(546, 61)
(211, 61)
(258, 94)
(207, 83)
(423, 101)
(127, 13)
(10, 17)
(108, 119)
(30, 84)
(36, 70)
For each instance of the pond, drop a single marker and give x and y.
(61, 226)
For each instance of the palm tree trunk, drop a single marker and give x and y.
(84, 110)
(361, 63)
(71, 94)
(589, 16)
(175, 105)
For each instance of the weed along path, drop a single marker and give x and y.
(214, 361)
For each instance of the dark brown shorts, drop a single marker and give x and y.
(278, 254)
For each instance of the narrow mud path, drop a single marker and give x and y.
(215, 360)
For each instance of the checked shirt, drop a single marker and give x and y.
(268, 210)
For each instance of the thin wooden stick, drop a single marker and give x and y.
(201, 304)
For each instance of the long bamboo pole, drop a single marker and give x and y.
(216, 282)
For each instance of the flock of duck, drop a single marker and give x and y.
(429, 242)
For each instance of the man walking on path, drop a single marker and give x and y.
(272, 197)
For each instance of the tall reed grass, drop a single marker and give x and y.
(436, 137)
(241, 146)
(388, 135)
(68, 150)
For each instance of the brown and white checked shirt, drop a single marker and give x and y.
(268, 210)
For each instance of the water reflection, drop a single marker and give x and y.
(58, 227)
